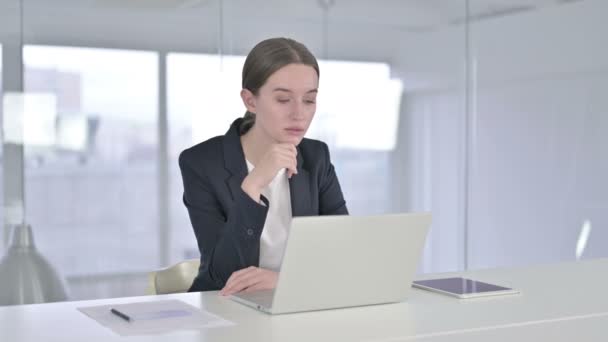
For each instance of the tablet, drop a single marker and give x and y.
(463, 288)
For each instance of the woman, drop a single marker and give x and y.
(242, 189)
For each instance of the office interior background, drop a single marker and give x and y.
(491, 114)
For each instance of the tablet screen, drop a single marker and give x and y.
(460, 285)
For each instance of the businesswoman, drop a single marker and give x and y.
(242, 189)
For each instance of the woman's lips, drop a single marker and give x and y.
(295, 131)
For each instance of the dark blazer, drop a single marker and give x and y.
(226, 221)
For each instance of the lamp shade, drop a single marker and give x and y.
(26, 277)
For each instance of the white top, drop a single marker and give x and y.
(278, 221)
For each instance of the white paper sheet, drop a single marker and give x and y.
(156, 317)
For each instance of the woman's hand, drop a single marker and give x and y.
(278, 156)
(250, 279)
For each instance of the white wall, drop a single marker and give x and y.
(541, 145)
(429, 173)
(541, 149)
(429, 158)
(540, 166)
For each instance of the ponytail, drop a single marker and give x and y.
(248, 121)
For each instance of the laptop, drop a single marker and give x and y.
(344, 261)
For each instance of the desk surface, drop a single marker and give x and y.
(564, 297)
(589, 328)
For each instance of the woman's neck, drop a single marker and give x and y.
(255, 143)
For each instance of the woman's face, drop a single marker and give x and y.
(286, 103)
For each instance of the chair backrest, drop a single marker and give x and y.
(174, 279)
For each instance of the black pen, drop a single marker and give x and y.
(121, 315)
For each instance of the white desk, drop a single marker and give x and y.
(565, 297)
(588, 329)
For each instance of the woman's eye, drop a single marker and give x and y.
(283, 100)
(310, 101)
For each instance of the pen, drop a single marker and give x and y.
(120, 314)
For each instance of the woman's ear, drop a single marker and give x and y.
(248, 100)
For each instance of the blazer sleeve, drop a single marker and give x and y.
(331, 200)
(228, 238)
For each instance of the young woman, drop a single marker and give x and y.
(242, 189)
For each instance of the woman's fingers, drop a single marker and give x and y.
(257, 287)
(235, 278)
(245, 283)
(250, 279)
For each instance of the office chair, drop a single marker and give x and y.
(174, 279)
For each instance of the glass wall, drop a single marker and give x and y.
(539, 193)
(490, 115)
(2, 233)
(9, 38)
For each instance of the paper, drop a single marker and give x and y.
(156, 317)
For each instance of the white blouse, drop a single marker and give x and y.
(278, 221)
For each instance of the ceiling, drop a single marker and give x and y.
(370, 30)
(406, 15)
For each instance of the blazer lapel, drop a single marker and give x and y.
(234, 158)
(300, 190)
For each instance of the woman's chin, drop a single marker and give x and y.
(291, 139)
(294, 140)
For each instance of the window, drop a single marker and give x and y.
(91, 190)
